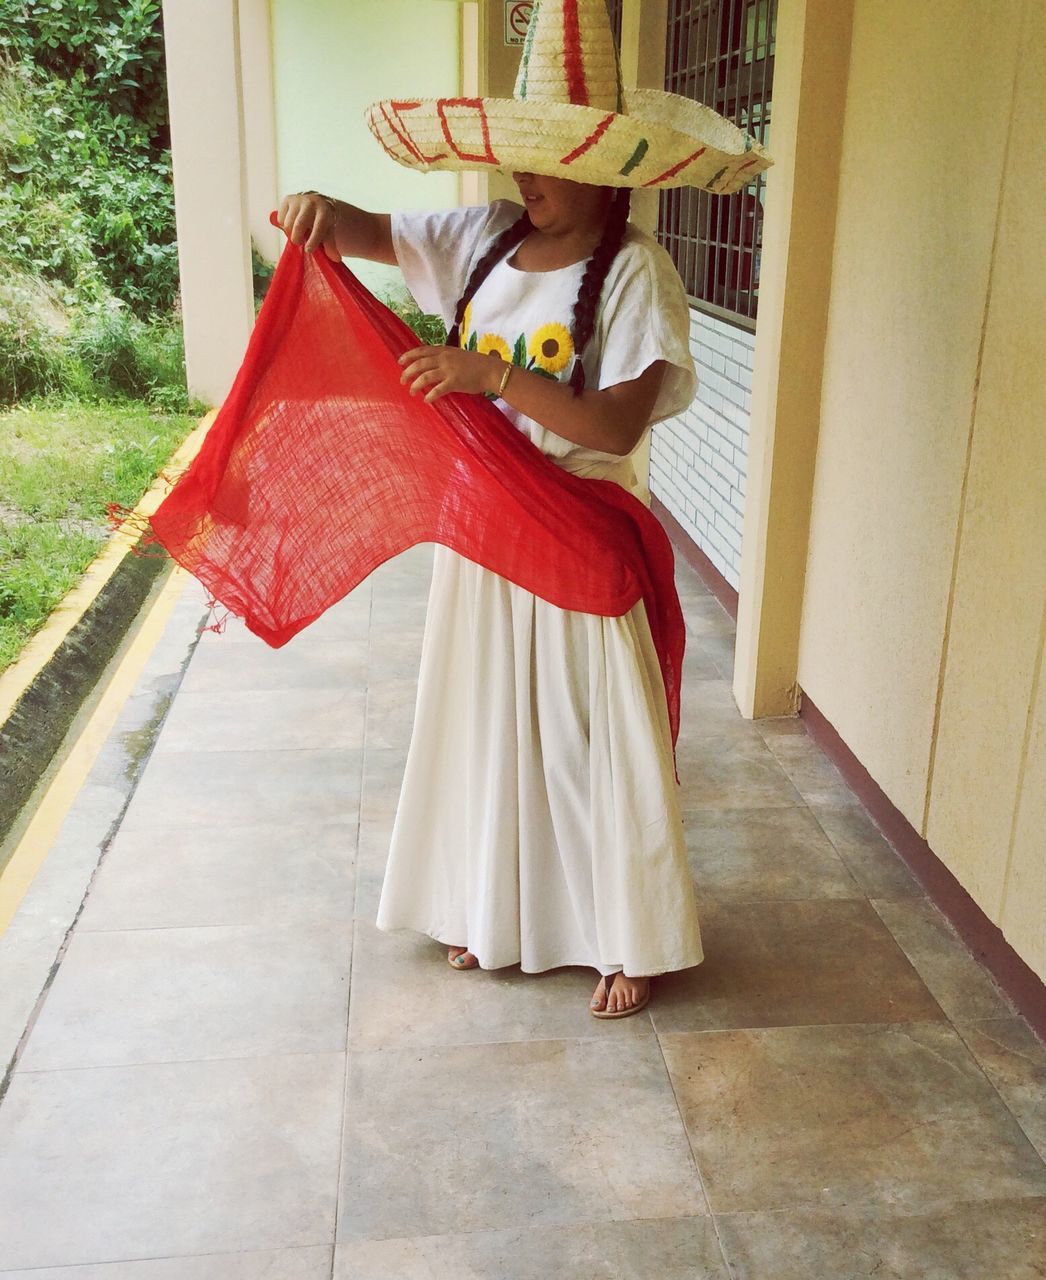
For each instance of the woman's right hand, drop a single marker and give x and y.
(308, 219)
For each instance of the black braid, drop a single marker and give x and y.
(505, 242)
(594, 279)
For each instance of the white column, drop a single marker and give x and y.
(204, 88)
(259, 123)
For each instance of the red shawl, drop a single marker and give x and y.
(320, 466)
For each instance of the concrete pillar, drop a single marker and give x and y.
(259, 124)
(809, 98)
(204, 88)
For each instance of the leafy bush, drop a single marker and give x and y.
(33, 357)
(86, 199)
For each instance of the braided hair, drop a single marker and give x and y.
(591, 283)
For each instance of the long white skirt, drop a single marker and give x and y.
(538, 822)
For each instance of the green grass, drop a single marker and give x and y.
(60, 463)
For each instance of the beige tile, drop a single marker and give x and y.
(405, 993)
(212, 788)
(971, 1240)
(168, 876)
(322, 664)
(265, 720)
(657, 1249)
(167, 995)
(771, 964)
(964, 989)
(780, 726)
(730, 771)
(501, 1136)
(816, 778)
(1014, 1060)
(396, 656)
(764, 854)
(698, 663)
(857, 1117)
(280, 1264)
(118, 1163)
(879, 869)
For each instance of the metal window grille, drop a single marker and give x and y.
(614, 8)
(721, 53)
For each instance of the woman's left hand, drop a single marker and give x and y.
(446, 369)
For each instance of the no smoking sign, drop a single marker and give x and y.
(517, 19)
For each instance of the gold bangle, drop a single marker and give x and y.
(504, 380)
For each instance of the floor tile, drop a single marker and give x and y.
(963, 988)
(764, 854)
(213, 788)
(730, 771)
(116, 1163)
(892, 1117)
(550, 1133)
(265, 720)
(707, 707)
(879, 869)
(382, 781)
(657, 1249)
(972, 1240)
(390, 711)
(168, 995)
(374, 838)
(816, 778)
(348, 619)
(280, 1264)
(773, 964)
(171, 877)
(1014, 1060)
(322, 664)
(405, 993)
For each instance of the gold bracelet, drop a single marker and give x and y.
(504, 380)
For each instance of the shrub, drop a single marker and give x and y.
(33, 358)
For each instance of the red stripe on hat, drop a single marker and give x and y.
(403, 137)
(671, 173)
(591, 140)
(474, 104)
(573, 61)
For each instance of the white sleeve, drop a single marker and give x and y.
(645, 316)
(436, 250)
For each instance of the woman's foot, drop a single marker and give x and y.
(617, 994)
(462, 958)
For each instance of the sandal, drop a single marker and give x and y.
(619, 1013)
(453, 962)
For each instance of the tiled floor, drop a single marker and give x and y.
(235, 1076)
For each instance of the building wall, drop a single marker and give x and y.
(698, 461)
(923, 613)
(331, 60)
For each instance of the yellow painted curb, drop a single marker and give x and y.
(46, 822)
(39, 651)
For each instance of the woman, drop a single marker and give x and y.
(538, 821)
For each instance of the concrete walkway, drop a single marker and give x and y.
(232, 1075)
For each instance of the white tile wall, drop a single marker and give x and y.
(698, 460)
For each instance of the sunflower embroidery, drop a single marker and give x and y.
(492, 344)
(551, 347)
(466, 325)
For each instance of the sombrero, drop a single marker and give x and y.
(570, 117)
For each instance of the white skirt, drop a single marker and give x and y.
(538, 822)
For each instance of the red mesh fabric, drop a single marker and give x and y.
(320, 466)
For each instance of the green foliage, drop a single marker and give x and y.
(429, 328)
(86, 200)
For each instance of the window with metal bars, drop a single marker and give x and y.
(721, 53)
(614, 8)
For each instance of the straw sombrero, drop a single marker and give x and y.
(570, 117)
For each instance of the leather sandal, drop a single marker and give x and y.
(608, 982)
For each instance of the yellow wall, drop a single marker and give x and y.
(331, 60)
(923, 615)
